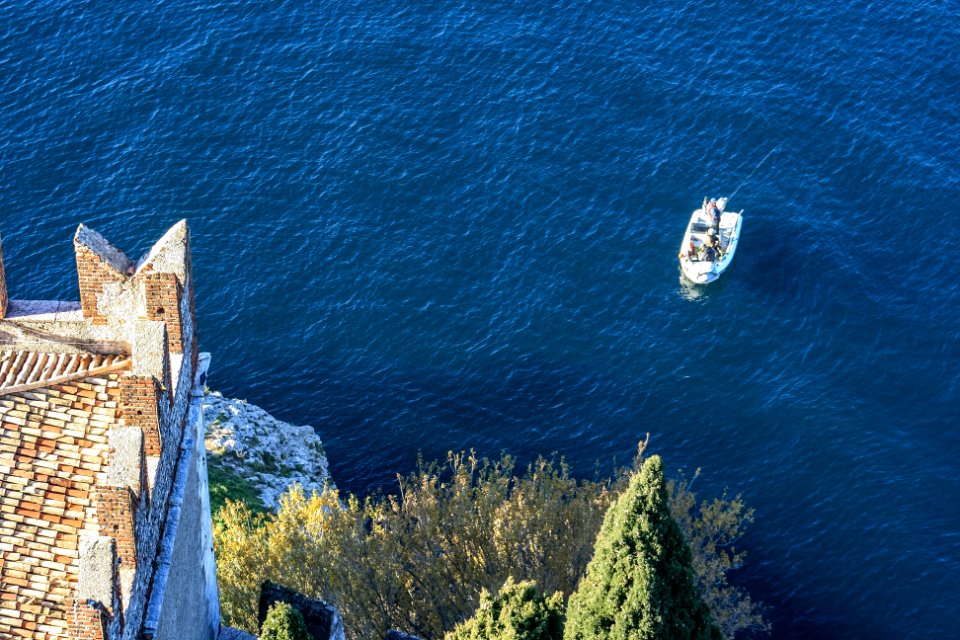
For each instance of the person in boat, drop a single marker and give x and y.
(712, 210)
(711, 246)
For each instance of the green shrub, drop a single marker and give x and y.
(416, 562)
(516, 613)
(283, 622)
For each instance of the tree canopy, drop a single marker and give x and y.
(640, 583)
(420, 561)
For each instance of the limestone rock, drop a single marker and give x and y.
(272, 453)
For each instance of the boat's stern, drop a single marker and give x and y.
(698, 272)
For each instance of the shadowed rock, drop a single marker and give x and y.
(323, 620)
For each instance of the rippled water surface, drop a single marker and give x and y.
(423, 226)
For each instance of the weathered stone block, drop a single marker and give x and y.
(96, 580)
(127, 460)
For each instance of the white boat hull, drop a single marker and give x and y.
(692, 265)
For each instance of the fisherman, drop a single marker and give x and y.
(711, 251)
(712, 210)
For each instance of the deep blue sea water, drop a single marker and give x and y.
(424, 226)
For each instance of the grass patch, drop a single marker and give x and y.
(267, 464)
(227, 484)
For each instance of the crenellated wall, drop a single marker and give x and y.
(145, 497)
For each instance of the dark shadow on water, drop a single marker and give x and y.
(790, 617)
(776, 258)
(375, 421)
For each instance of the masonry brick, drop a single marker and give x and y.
(93, 273)
(116, 512)
(88, 622)
(162, 294)
(140, 405)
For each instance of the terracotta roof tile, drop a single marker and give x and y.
(53, 446)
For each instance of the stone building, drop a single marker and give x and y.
(104, 509)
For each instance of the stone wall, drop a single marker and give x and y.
(162, 471)
(144, 567)
(3, 286)
(190, 608)
(322, 620)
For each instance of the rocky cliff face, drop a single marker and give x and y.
(271, 453)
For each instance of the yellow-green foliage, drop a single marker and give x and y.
(518, 612)
(711, 529)
(419, 561)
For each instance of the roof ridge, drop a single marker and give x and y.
(118, 364)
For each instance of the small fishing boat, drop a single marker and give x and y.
(702, 260)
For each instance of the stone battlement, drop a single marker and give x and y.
(98, 443)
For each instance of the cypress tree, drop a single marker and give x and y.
(640, 584)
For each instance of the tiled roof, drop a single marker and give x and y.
(53, 449)
(25, 370)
